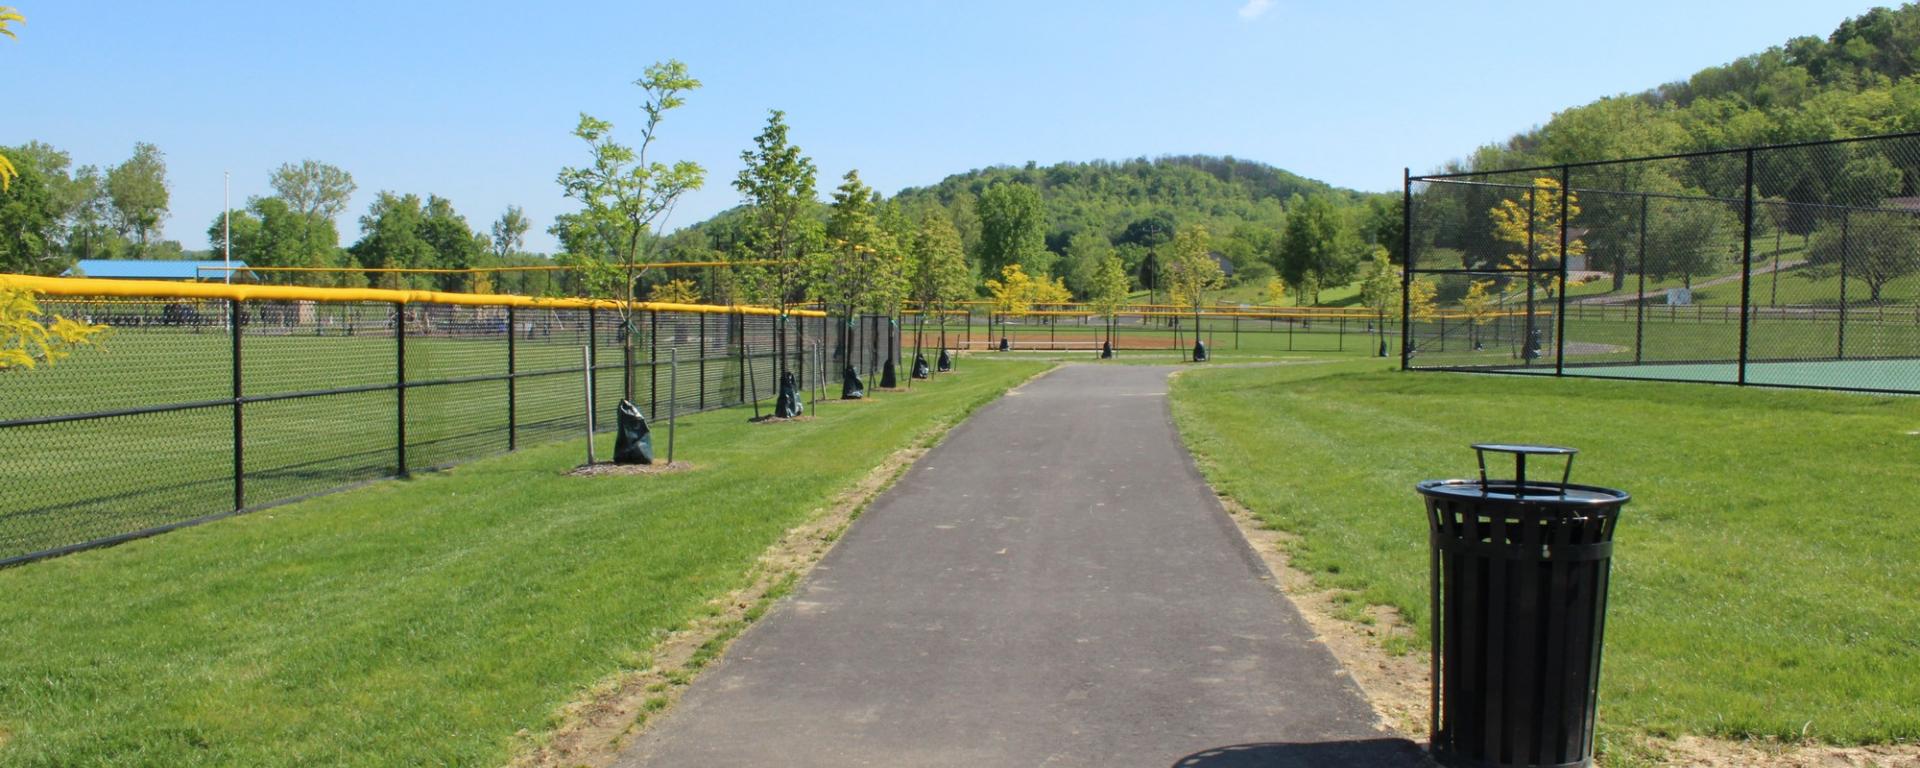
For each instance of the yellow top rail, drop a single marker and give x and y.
(81, 286)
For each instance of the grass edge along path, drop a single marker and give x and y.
(425, 621)
(1734, 614)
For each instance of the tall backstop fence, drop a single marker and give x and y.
(206, 400)
(1790, 266)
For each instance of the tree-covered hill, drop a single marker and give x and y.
(1863, 79)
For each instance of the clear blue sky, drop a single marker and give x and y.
(474, 100)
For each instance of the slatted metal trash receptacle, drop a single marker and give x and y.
(1519, 573)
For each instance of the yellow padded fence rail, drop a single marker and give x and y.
(143, 289)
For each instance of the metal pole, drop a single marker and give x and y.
(1846, 244)
(513, 379)
(400, 386)
(1640, 304)
(1746, 268)
(703, 362)
(747, 361)
(239, 422)
(1560, 312)
(1406, 272)
(226, 229)
(673, 397)
(653, 362)
(586, 377)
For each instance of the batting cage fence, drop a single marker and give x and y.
(1792, 265)
(203, 401)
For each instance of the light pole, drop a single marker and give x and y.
(226, 223)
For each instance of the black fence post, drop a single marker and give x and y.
(703, 361)
(740, 322)
(1527, 350)
(593, 360)
(513, 383)
(1406, 272)
(1846, 245)
(1746, 266)
(239, 420)
(1560, 312)
(400, 386)
(1640, 303)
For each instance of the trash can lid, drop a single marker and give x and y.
(1554, 494)
(1527, 449)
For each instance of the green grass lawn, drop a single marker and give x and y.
(1764, 580)
(419, 622)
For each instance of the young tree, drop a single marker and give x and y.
(1087, 252)
(777, 186)
(138, 190)
(860, 267)
(1013, 230)
(1109, 291)
(1276, 291)
(939, 276)
(1479, 307)
(1192, 270)
(1533, 222)
(1380, 291)
(626, 197)
(1688, 238)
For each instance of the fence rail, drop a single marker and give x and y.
(197, 408)
(1787, 266)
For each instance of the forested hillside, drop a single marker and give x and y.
(1064, 219)
(1861, 80)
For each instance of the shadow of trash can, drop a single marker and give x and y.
(1518, 577)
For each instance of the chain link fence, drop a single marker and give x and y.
(1788, 266)
(195, 409)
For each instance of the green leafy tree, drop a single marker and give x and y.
(859, 267)
(1192, 271)
(1877, 248)
(1108, 291)
(317, 193)
(1318, 248)
(1087, 252)
(1380, 290)
(939, 278)
(1013, 230)
(138, 191)
(777, 187)
(393, 237)
(509, 233)
(1689, 238)
(626, 196)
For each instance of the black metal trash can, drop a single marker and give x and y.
(1519, 573)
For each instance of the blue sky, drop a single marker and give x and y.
(474, 101)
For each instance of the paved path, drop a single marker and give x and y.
(1053, 585)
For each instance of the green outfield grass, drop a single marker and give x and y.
(1764, 577)
(419, 622)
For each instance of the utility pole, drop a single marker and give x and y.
(226, 225)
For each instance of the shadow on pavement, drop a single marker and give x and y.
(1370, 753)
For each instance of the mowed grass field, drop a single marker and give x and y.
(1765, 570)
(424, 621)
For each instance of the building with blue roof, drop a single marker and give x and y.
(188, 270)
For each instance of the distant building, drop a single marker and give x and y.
(211, 271)
(1226, 265)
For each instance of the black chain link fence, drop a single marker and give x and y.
(1789, 266)
(197, 409)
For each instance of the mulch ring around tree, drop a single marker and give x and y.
(772, 419)
(608, 468)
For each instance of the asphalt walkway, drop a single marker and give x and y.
(1053, 585)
